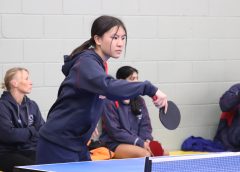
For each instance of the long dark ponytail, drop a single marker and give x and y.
(100, 26)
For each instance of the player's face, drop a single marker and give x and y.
(112, 43)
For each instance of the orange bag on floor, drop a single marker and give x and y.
(101, 153)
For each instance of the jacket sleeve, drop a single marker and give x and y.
(113, 127)
(11, 134)
(145, 128)
(39, 121)
(230, 99)
(90, 75)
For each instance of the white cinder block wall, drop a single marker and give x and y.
(189, 48)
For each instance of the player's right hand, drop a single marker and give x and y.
(160, 100)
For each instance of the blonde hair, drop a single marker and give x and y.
(9, 76)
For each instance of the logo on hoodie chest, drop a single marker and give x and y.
(30, 119)
(102, 97)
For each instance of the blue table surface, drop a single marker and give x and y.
(201, 163)
(124, 165)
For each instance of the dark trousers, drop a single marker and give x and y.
(9, 160)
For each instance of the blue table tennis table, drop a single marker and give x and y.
(221, 162)
(123, 165)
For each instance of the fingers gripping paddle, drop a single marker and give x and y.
(171, 118)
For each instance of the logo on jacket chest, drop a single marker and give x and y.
(102, 97)
(30, 119)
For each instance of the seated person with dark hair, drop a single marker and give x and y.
(20, 121)
(126, 126)
(228, 132)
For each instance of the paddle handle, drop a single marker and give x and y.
(155, 98)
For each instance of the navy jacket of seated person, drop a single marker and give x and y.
(19, 124)
(228, 131)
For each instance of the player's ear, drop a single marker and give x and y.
(98, 40)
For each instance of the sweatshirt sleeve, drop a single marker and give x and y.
(9, 133)
(39, 121)
(90, 75)
(114, 129)
(145, 130)
(230, 99)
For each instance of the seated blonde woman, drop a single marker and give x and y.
(20, 121)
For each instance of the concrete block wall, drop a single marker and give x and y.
(188, 48)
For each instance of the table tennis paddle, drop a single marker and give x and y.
(172, 117)
(156, 148)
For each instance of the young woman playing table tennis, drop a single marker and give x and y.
(126, 125)
(74, 116)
